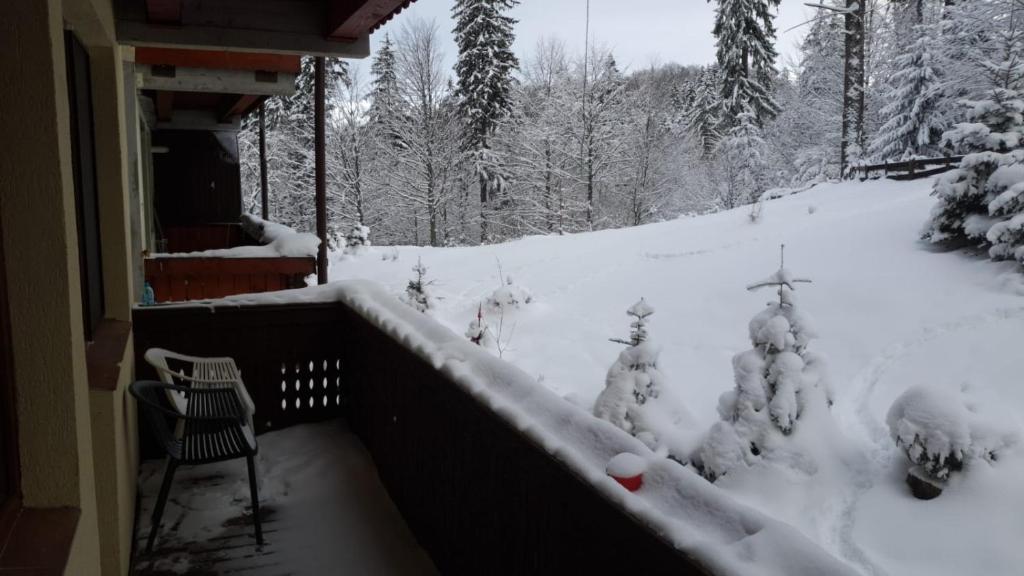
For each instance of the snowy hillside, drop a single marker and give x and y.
(891, 313)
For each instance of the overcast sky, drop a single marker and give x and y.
(639, 32)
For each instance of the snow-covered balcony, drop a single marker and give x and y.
(491, 472)
(277, 259)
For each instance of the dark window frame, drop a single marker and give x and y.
(83, 160)
(10, 464)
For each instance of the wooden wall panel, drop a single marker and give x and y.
(198, 180)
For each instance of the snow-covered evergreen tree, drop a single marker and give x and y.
(479, 332)
(384, 98)
(743, 160)
(776, 380)
(704, 119)
(417, 293)
(816, 111)
(914, 120)
(745, 31)
(634, 378)
(981, 200)
(485, 68)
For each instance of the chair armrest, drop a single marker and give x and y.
(139, 391)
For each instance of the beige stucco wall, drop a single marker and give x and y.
(115, 445)
(60, 422)
(39, 233)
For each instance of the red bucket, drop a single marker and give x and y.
(631, 483)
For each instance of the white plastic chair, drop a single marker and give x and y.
(199, 373)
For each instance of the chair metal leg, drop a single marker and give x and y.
(158, 512)
(255, 496)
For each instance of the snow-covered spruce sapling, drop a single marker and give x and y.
(509, 296)
(479, 332)
(633, 379)
(417, 294)
(357, 239)
(774, 381)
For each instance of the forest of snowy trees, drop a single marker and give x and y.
(566, 141)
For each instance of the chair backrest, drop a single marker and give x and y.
(157, 410)
(161, 359)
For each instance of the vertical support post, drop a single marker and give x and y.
(264, 200)
(321, 172)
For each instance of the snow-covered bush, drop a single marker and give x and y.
(931, 426)
(510, 296)
(983, 200)
(479, 332)
(417, 294)
(775, 381)
(634, 378)
(941, 433)
(357, 239)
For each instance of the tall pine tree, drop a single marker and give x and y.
(484, 68)
(746, 55)
(384, 93)
(913, 120)
(705, 114)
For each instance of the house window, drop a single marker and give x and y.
(83, 159)
(8, 440)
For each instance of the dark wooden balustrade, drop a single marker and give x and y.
(178, 279)
(480, 497)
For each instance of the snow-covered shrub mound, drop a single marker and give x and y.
(357, 240)
(940, 432)
(775, 382)
(931, 426)
(510, 296)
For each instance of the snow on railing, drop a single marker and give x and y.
(695, 516)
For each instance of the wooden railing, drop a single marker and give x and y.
(480, 497)
(178, 279)
(910, 169)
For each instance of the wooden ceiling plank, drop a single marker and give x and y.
(351, 19)
(236, 105)
(164, 11)
(219, 59)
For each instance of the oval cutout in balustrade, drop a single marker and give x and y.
(284, 404)
(297, 404)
